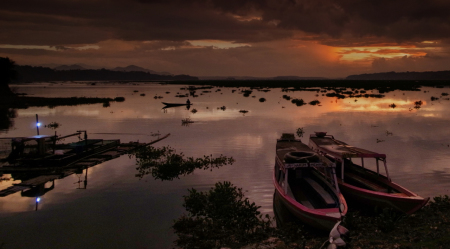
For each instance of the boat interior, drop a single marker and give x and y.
(364, 178)
(310, 189)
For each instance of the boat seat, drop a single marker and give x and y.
(294, 191)
(365, 183)
(321, 192)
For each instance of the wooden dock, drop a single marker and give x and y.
(59, 171)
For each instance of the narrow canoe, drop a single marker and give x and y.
(175, 104)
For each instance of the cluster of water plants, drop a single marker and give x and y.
(165, 163)
(53, 125)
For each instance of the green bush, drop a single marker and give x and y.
(221, 217)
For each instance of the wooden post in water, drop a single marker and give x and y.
(37, 124)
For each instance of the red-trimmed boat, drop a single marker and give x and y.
(312, 197)
(360, 184)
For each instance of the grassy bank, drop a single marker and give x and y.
(224, 218)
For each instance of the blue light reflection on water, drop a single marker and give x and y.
(119, 210)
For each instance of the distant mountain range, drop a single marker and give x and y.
(438, 75)
(79, 73)
(259, 78)
(130, 68)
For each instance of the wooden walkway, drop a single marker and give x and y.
(53, 173)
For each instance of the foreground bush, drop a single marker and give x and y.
(221, 217)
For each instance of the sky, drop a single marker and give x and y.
(261, 38)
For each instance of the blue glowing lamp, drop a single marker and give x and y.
(38, 199)
(38, 124)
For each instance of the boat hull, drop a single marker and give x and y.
(323, 219)
(311, 217)
(405, 201)
(175, 104)
(391, 196)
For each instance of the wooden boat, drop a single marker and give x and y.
(175, 104)
(362, 185)
(310, 196)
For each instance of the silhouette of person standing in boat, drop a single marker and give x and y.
(188, 102)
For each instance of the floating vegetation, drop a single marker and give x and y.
(286, 97)
(246, 93)
(444, 94)
(167, 92)
(194, 111)
(298, 102)
(339, 96)
(220, 218)
(418, 104)
(388, 133)
(379, 140)
(106, 104)
(243, 111)
(186, 121)
(300, 132)
(119, 99)
(193, 88)
(182, 95)
(223, 108)
(54, 125)
(165, 164)
(434, 98)
(262, 100)
(135, 91)
(392, 105)
(314, 102)
(142, 94)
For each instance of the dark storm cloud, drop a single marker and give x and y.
(54, 22)
(76, 22)
(399, 20)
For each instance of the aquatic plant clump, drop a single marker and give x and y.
(314, 102)
(165, 164)
(220, 217)
(53, 125)
(298, 102)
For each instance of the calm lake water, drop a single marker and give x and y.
(119, 210)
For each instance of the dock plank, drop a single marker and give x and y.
(38, 180)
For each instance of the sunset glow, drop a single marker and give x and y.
(237, 38)
(364, 53)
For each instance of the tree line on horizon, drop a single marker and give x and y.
(34, 74)
(429, 75)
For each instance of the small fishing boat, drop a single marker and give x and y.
(360, 184)
(176, 104)
(310, 196)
